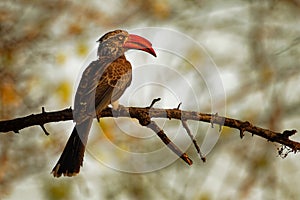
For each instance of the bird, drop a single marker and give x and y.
(102, 83)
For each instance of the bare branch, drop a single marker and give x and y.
(144, 115)
(18, 124)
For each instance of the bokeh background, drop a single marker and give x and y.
(254, 44)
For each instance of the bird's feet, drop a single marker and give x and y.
(116, 107)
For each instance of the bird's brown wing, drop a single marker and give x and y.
(85, 95)
(116, 78)
(101, 83)
(72, 157)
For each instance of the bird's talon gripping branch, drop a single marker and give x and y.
(213, 119)
(116, 106)
(116, 109)
(103, 82)
(18, 124)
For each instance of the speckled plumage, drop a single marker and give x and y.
(102, 83)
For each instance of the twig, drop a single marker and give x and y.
(44, 129)
(186, 127)
(153, 102)
(152, 125)
(179, 105)
(42, 125)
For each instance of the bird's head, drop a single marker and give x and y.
(114, 44)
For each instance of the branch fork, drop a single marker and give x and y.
(145, 115)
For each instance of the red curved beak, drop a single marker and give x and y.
(140, 43)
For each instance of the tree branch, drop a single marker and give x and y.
(144, 116)
(189, 132)
(152, 125)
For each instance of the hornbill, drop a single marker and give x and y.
(103, 82)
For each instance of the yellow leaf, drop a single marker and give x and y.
(161, 9)
(9, 96)
(107, 128)
(64, 91)
(75, 29)
(61, 58)
(82, 49)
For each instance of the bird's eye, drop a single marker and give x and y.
(120, 37)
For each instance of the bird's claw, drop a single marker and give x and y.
(117, 109)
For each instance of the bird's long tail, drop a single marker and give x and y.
(71, 158)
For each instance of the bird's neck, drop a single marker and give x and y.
(110, 59)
